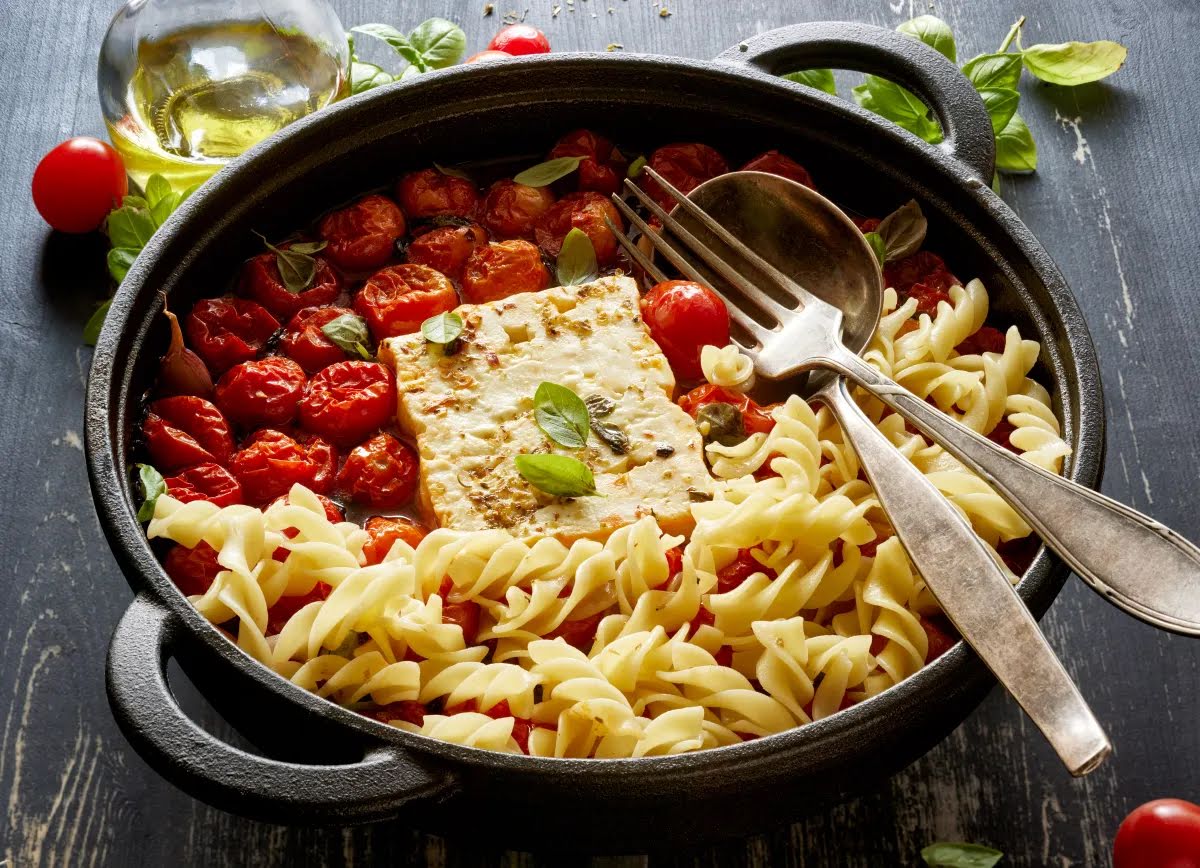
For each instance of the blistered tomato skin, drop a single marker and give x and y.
(446, 248)
(261, 392)
(77, 183)
(755, 419)
(261, 281)
(361, 236)
(380, 473)
(602, 168)
(1164, 833)
(192, 570)
(518, 39)
(585, 212)
(396, 300)
(501, 269)
(210, 482)
(304, 343)
(775, 163)
(346, 402)
(683, 317)
(512, 210)
(385, 531)
(430, 193)
(225, 331)
(685, 166)
(270, 463)
(184, 430)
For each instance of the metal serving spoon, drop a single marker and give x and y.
(786, 331)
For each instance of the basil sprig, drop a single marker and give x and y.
(561, 414)
(576, 263)
(297, 267)
(545, 174)
(349, 333)
(443, 328)
(433, 44)
(954, 854)
(559, 475)
(152, 486)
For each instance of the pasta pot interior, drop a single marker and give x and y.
(514, 110)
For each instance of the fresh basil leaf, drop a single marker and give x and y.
(635, 168)
(440, 43)
(157, 187)
(576, 262)
(297, 267)
(952, 854)
(561, 415)
(902, 232)
(444, 328)
(135, 201)
(120, 260)
(818, 79)
(452, 172)
(365, 76)
(183, 197)
(129, 226)
(994, 70)
(91, 329)
(1073, 63)
(721, 423)
(396, 39)
(164, 208)
(308, 247)
(934, 32)
(1001, 105)
(1015, 150)
(559, 475)
(152, 486)
(899, 106)
(409, 71)
(877, 246)
(545, 174)
(349, 333)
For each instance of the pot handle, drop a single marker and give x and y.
(379, 785)
(891, 55)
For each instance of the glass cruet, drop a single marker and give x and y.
(187, 85)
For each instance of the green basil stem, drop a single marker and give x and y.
(1013, 32)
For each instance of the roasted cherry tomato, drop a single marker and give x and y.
(986, 340)
(408, 710)
(225, 331)
(385, 531)
(517, 39)
(78, 183)
(922, 276)
(279, 614)
(210, 482)
(512, 210)
(503, 268)
(465, 614)
(307, 345)
(602, 167)
(431, 193)
(674, 567)
(396, 300)
(683, 317)
(684, 166)
(361, 236)
(347, 401)
(1164, 833)
(580, 633)
(261, 281)
(270, 463)
(741, 568)
(192, 570)
(755, 419)
(775, 163)
(940, 634)
(585, 212)
(381, 472)
(487, 56)
(261, 392)
(184, 430)
(446, 248)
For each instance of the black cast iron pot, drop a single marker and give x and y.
(323, 763)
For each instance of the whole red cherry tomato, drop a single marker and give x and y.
(487, 56)
(1164, 833)
(585, 212)
(683, 317)
(503, 268)
(225, 331)
(261, 392)
(279, 614)
(446, 248)
(346, 402)
(192, 570)
(432, 193)
(385, 531)
(602, 167)
(307, 345)
(210, 482)
(78, 183)
(741, 568)
(396, 300)
(184, 430)
(261, 281)
(381, 472)
(754, 418)
(512, 210)
(684, 166)
(775, 163)
(464, 613)
(362, 236)
(270, 463)
(520, 39)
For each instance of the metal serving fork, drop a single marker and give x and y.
(787, 331)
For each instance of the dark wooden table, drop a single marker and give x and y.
(1115, 201)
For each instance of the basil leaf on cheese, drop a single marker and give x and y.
(559, 475)
(561, 415)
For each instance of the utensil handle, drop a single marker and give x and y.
(379, 785)
(891, 55)
(1134, 562)
(973, 591)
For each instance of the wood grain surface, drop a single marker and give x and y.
(1115, 201)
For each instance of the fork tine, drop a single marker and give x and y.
(634, 252)
(778, 277)
(756, 329)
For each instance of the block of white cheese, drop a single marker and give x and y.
(471, 413)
